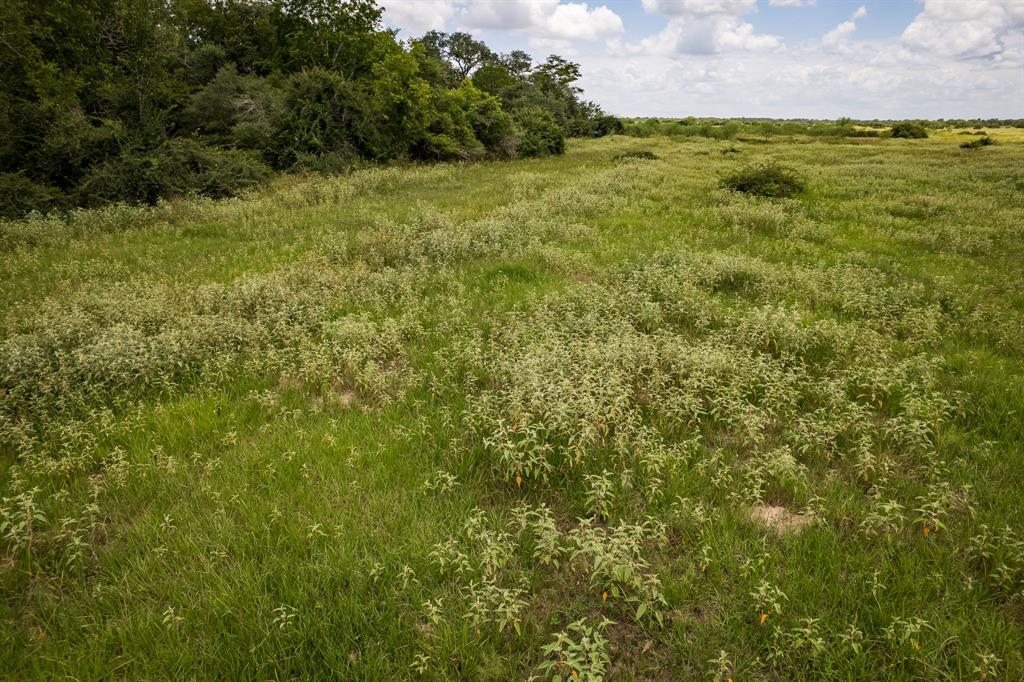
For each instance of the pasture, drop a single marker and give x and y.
(589, 416)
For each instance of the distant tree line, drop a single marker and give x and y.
(138, 100)
(730, 128)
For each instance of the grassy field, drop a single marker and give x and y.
(581, 416)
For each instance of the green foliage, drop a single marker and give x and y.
(978, 143)
(770, 439)
(909, 130)
(178, 167)
(20, 195)
(93, 93)
(541, 134)
(770, 179)
(642, 154)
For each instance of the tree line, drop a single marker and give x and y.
(139, 100)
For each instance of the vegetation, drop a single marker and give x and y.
(770, 179)
(909, 130)
(642, 154)
(135, 100)
(975, 144)
(578, 416)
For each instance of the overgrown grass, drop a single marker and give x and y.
(526, 419)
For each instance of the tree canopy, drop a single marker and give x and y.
(136, 100)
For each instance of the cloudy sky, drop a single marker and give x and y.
(781, 58)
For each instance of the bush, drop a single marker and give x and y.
(20, 195)
(909, 130)
(980, 142)
(177, 167)
(765, 180)
(608, 125)
(541, 135)
(641, 154)
(323, 115)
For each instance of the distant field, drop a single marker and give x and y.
(575, 416)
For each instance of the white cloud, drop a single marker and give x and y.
(868, 80)
(979, 28)
(537, 20)
(702, 27)
(956, 59)
(416, 17)
(840, 33)
(791, 3)
(698, 8)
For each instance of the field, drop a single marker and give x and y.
(585, 416)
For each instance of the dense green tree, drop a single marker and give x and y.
(136, 100)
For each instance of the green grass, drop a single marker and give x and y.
(417, 422)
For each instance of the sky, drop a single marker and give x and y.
(761, 58)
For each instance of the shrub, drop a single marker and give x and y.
(608, 125)
(20, 195)
(541, 135)
(177, 167)
(324, 113)
(765, 180)
(639, 154)
(909, 130)
(980, 142)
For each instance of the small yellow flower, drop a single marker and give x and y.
(926, 531)
(604, 596)
(764, 617)
(917, 647)
(519, 481)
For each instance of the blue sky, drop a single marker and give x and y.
(782, 58)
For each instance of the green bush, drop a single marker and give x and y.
(608, 125)
(909, 130)
(765, 180)
(323, 115)
(178, 167)
(639, 154)
(20, 195)
(541, 135)
(980, 142)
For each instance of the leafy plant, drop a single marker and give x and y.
(770, 179)
(580, 652)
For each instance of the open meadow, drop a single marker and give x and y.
(585, 416)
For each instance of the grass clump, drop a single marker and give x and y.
(770, 179)
(642, 154)
(978, 143)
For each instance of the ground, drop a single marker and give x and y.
(586, 414)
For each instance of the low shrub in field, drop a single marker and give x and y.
(642, 154)
(765, 180)
(19, 195)
(178, 167)
(980, 142)
(909, 130)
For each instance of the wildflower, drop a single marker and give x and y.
(764, 617)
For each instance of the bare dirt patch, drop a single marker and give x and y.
(780, 519)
